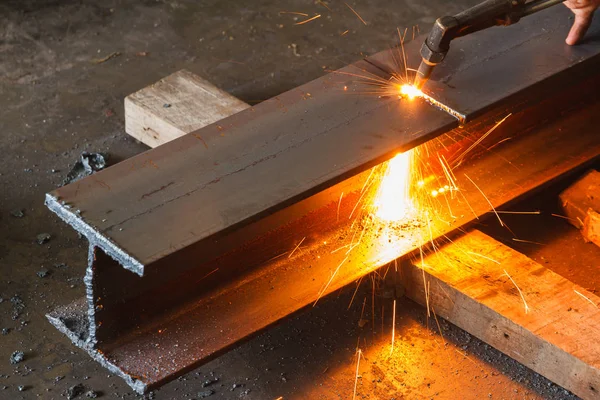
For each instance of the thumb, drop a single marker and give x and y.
(581, 24)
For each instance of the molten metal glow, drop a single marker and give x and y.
(410, 91)
(393, 202)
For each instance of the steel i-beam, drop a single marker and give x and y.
(186, 240)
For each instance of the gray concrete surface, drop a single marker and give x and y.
(57, 100)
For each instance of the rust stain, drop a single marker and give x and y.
(102, 183)
(151, 163)
(201, 139)
(281, 105)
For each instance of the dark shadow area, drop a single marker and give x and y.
(547, 237)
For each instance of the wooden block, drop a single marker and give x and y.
(558, 335)
(176, 105)
(581, 203)
(591, 227)
(581, 196)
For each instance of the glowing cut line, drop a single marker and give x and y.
(411, 92)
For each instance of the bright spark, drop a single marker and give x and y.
(357, 14)
(519, 290)
(410, 91)
(393, 328)
(586, 298)
(358, 355)
(393, 202)
(293, 12)
(308, 20)
(296, 248)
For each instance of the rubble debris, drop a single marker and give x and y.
(17, 301)
(18, 306)
(21, 388)
(18, 213)
(43, 238)
(294, 48)
(210, 382)
(87, 164)
(90, 394)
(5, 331)
(44, 272)
(16, 357)
(74, 391)
(205, 393)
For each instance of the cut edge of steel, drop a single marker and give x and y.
(77, 311)
(94, 236)
(461, 117)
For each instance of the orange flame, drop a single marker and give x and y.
(393, 201)
(410, 91)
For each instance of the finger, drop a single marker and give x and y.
(580, 26)
(576, 4)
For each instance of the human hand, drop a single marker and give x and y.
(584, 12)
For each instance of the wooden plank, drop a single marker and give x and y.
(175, 106)
(581, 204)
(556, 334)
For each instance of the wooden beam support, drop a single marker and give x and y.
(548, 323)
(175, 106)
(581, 205)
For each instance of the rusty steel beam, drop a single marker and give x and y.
(184, 238)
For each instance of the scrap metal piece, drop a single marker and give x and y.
(87, 164)
(186, 240)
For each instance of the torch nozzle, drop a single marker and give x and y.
(423, 74)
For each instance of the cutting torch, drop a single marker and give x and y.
(482, 16)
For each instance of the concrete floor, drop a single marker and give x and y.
(57, 100)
